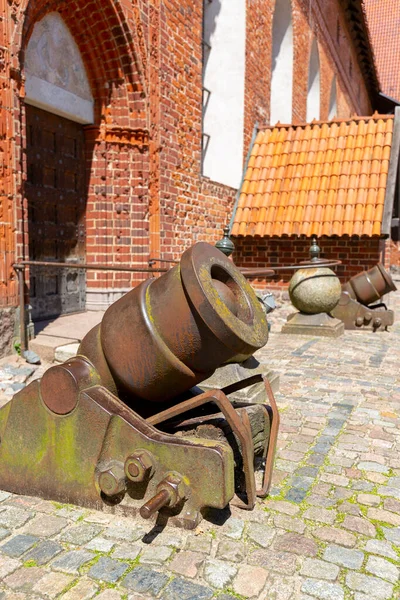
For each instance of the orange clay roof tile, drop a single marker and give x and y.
(321, 178)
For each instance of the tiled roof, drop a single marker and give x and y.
(383, 17)
(317, 179)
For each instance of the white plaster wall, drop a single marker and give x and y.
(333, 100)
(224, 71)
(282, 63)
(56, 78)
(313, 96)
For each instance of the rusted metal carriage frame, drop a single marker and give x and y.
(218, 319)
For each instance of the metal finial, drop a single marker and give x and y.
(225, 244)
(315, 250)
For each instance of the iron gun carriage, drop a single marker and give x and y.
(122, 426)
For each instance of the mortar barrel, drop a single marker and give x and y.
(170, 333)
(370, 286)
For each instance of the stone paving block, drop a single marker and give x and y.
(319, 569)
(323, 590)
(290, 523)
(18, 545)
(186, 590)
(4, 496)
(186, 563)
(372, 466)
(369, 499)
(52, 584)
(72, 561)
(351, 509)
(372, 586)
(298, 544)
(300, 482)
(340, 493)
(45, 525)
(250, 581)
(80, 534)
(123, 532)
(7, 566)
(231, 550)
(316, 500)
(382, 568)
(24, 578)
(359, 525)
(392, 534)
(381, 547)
(261, 534)
(339, 480)
(233, 528)
(43, 552)
(126, 551)
(219, 573)
(295, 495)
(386, 516)
(199, 543)
(167, 536)
(281, 562)
(100, 544)
(337, 536)
(108, 570)
(12, 518)
(109, 595)
(392, 505)
(156, 555)
(351, 559)
(83, 590)
(320, 514)
(4, 533)
(283, 507)
(362, 486)
(72, 513)
(145, 581)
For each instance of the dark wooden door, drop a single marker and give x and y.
(55, 192)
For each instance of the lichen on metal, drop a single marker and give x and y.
(91, 431)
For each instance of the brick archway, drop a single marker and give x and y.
(109, 37)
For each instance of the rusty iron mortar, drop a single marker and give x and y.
(91, 432)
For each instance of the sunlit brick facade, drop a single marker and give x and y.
(144, 193)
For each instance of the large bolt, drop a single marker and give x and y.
(138, 465)
(161, 499)
(112, 480)
(170, 491)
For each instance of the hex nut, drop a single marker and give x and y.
(138, 465)
(112, 480)
(174, 483)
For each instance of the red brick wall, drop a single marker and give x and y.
(392, 254)
(145, 192)
(356, 255)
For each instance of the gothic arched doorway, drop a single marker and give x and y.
(58, 102)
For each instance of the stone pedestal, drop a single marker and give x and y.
(233, 373)
(320, 324)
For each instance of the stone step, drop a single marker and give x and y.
(46, 346)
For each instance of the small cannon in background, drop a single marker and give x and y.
(91, 432)
(356, 308)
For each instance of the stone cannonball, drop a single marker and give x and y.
(314, 291)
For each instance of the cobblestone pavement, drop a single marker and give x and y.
(329, 530)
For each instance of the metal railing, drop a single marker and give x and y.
(249, 273)
(20, 268)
